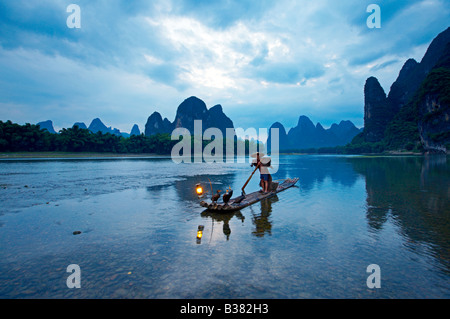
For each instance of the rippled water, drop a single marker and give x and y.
(138, 219)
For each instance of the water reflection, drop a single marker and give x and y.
(262, 220)
(224, 219)
(313, 170)
(139, 220)
(414, 193)
(186, 188)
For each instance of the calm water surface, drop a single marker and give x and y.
(139, 219)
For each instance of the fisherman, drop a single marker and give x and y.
(263, 163)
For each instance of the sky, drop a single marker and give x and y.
(263, 61)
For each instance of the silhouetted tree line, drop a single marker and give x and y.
(31, 138)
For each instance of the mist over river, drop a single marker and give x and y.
(138, 219)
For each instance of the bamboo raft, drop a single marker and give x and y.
(249, 199)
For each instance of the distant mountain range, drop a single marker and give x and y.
(304, 135)
(95, 126)
(98, 126)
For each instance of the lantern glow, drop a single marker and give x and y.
(200, 233)
(199, 190)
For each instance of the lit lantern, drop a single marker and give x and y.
(199, 189)
(200, 233)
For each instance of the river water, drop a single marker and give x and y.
(138, 219)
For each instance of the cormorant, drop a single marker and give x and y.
(215, 197)
(226, 197)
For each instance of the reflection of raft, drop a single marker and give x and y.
(249, 199)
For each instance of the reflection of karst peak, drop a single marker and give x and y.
(313, 170)
(413, 191)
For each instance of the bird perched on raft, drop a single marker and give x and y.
(226, 197)
(216, 197)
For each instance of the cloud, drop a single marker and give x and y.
(262, 60)
(41, 18)
(222, 14)
(61, 89)
(405, 25)
(383, 65)
(288, 73)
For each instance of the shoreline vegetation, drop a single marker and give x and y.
(56, 155)
(30, 141)
(108, 155)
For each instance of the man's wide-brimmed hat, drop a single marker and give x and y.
(255, 154)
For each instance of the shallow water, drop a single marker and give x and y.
(138, 219)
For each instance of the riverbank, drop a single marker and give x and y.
(56, 155)
(387, 153)
(24, 155)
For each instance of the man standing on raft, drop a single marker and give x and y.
(263, 163)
